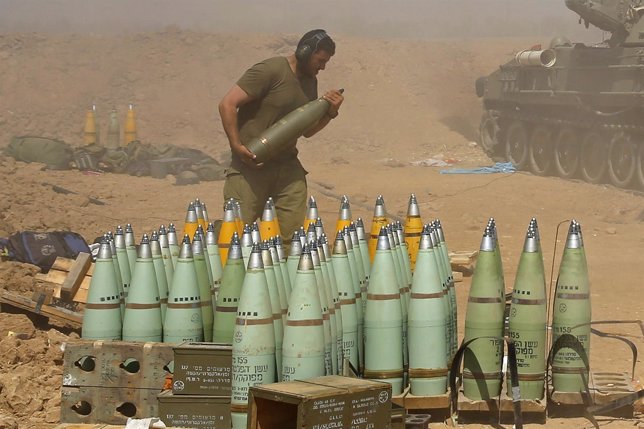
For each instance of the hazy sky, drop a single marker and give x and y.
(371, 18)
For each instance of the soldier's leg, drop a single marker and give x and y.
(290, 194)
(250, 191)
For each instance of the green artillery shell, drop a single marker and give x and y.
(142, 319)
(102, 316)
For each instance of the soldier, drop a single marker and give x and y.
(262, 96)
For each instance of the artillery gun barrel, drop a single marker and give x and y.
(543, 58)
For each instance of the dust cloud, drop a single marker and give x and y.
(417, 19)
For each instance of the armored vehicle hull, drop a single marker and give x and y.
(572, 110)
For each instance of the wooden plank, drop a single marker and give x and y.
(57, 290)
(503, 404)
(467, 404)
(468, 253)
(83, 290)
(42, 281)
(62, 264)
(295, 391)
(434, 402)
(463, 260)
(42, 296)
(57, 284)
(57, 277)
(400, 399)
(460, 260)
(76, 274)
(412, 402)
(54, 276)
(346, 383)
(70, 276)
(60, 314)
(66, 264)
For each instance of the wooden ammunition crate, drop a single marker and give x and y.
(87, 426)
(194, 411)
(109, 381)
(202, 369)
(106, 405)
(332, 402)
(92, 426)
(116, 363)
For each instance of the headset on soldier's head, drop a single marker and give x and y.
(308, 46)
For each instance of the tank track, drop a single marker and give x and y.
(621, 150)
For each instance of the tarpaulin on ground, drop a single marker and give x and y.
(499, 167)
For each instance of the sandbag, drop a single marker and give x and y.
(56, 154)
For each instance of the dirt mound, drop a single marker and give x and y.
(32, 372)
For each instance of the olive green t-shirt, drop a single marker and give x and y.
(276, 91)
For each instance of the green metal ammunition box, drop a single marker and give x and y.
(202, 369)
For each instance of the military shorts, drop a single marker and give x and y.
(284, 181)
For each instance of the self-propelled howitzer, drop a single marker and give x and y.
(573, 110)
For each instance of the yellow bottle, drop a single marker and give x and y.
(130, 126)
(90, 135)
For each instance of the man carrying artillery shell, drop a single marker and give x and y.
(264, 95)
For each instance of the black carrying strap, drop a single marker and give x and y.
(571, 341)
(455, 373)
(514, 381)
(618, 403)
(592, 410)
(628, 342)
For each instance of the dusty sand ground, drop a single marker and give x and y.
(406, 101)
